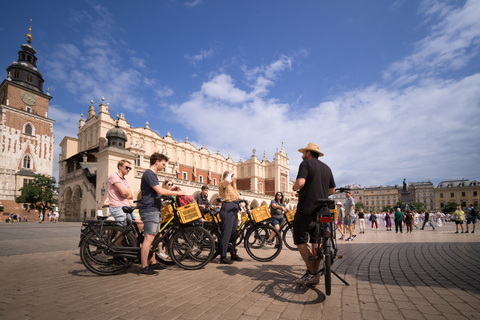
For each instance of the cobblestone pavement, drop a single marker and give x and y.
(423, 275)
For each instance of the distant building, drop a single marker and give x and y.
(87, 161)
(377, 198)
(26, 132)
(425, 193)
(462, 192)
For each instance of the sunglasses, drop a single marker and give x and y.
(169, 184)
(128, 168)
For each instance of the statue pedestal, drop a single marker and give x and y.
(407, 201)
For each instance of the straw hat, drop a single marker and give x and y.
(311, 147)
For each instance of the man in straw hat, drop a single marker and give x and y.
(314, 181)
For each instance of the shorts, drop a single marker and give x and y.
(118, 214)
(305, 227)
(458, 222)
(151, 222)
(349, 220)
(276, 221)
(339, 222)
(471, 219)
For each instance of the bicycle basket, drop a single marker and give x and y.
(189, 213)
(291, 215)
(167, 213)
(261, 213)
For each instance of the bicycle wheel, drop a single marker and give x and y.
(327, 265)
(257, 245)
(95, 247)
(192, 247)
(288, 238)
(216, 238)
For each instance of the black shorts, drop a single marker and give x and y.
(458, 222)
(305, 229)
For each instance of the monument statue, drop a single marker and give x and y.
(404, 186)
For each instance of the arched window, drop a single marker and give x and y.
(28, 129)
(29, 78)
(27, 162)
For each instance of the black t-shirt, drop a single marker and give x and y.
(361, 215)
(318, 179)
(151, 200)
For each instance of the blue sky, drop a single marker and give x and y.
(388, 89)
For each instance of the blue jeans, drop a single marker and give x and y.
(425, 222)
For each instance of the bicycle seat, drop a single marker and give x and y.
(128, 209)
(330, 203)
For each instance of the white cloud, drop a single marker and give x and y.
(193, 3)
(447, 47)
(204, 54)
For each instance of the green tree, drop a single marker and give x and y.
(1, 208)
(387, 208)
(398, 205)
(450, 207)
(39, 193)
(419, 206)
(359, 205)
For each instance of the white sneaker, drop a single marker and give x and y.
(308, 278)
(164, 256)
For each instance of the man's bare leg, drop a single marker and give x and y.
(308, 253)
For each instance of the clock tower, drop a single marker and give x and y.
(26, 132)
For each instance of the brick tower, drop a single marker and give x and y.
(26, 132)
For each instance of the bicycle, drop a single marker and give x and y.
(254, 231)
(190, 246)
(326, 247)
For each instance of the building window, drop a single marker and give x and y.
(184, 175)
(214, 181)
(260, 187)
(200, 179)
(475, 193)
(28, 129)
(29, 77)
(25, 182)
(138, 161)
(16, 74)
(28, 109)
(452, 194)
(26, 162)
(463, 194)
(441, 194)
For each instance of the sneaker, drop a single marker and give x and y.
(164, 256)
(349, 239)
(473, 231)
(270, 242)
(147, 271)
(157, 266)
(225, 260)
(342, 238)
(354, 235)
(456, 232)
(308, 278)
(236, 258)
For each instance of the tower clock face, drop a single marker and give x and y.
(29, 98)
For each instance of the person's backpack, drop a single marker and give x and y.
(473, 212)
(373, 217)
(184, 200)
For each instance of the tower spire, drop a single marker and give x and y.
(29, 34)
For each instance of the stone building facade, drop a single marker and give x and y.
(87, 161)
(462, 191)
(425, 193)
(26, 132)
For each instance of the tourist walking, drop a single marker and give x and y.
(361, 220)
(388, 221)
(409, 221)
(472, 217)
(459, 216)
(373, 219)
(340, 217)
(398, 220)
(427, 218)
